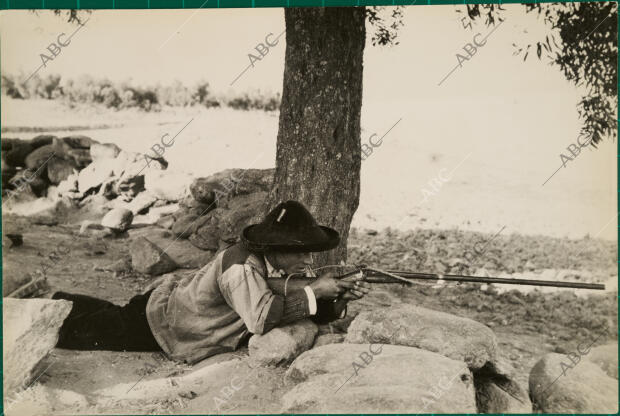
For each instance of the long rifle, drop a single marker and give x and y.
(373, 275)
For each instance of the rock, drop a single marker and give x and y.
(108, 189)
(241, 212)
(79, 141)
(130, 186)
(147, 258)
(182, 252)
(166, 222)
(207, 235)
(15, 151)
(223, 225)
(122, 266)
(530, 266)
(155, 213)
(496, 397)
(80, 157)
(29, 180)
(13, 281)
(455, 337)
(396, 379)
(167, 185)
(12, 240)
(556, 386)
(185, 226)
(59, 169)
(93, 175)
(231, 182)
(42, 140)
(38, 158)
(89, 225)
(131, 168)
(253, 180)
(326, 339)
(282, 345)
(606, 357)
(141, 203)
(204, 191)
(42, 400)
(93, 207)
(497, 390)
(7, 172)
(191, 206)
(30, 332)
(99, 151)
(118, 219)
(69, 186)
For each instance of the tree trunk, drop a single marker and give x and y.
(318, 156)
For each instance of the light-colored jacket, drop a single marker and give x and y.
(215, 310)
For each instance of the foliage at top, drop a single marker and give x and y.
(582, 43)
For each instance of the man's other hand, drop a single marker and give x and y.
(359, 291)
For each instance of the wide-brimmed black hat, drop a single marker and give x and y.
(289, 227)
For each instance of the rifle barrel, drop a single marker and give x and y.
(376, 276)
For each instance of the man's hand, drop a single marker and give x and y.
(359, 291)
(326, 287)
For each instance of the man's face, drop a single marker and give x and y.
(292, 262)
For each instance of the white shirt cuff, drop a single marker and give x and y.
(311, 299)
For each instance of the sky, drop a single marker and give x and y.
(514, 117)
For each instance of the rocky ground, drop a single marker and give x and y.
(100, 224)
(527, 325)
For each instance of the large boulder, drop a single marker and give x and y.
(455, 337)
(557, 385)
(224, 224)
(231, 182)
(283, 344)
(606, 357)
(30, 331)
(241, 211)
(149, 259)
(118, 219)
(183, 253)
(374, 378)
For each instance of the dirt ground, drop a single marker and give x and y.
(527, 324)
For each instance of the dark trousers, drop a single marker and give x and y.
(95, 324)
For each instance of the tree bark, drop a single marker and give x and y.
(318, 156)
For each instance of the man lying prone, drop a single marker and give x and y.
(242, 291)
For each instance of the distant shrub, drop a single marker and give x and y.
(87, 90)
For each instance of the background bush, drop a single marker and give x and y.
(122, 95)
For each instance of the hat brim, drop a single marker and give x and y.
(319, 238)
